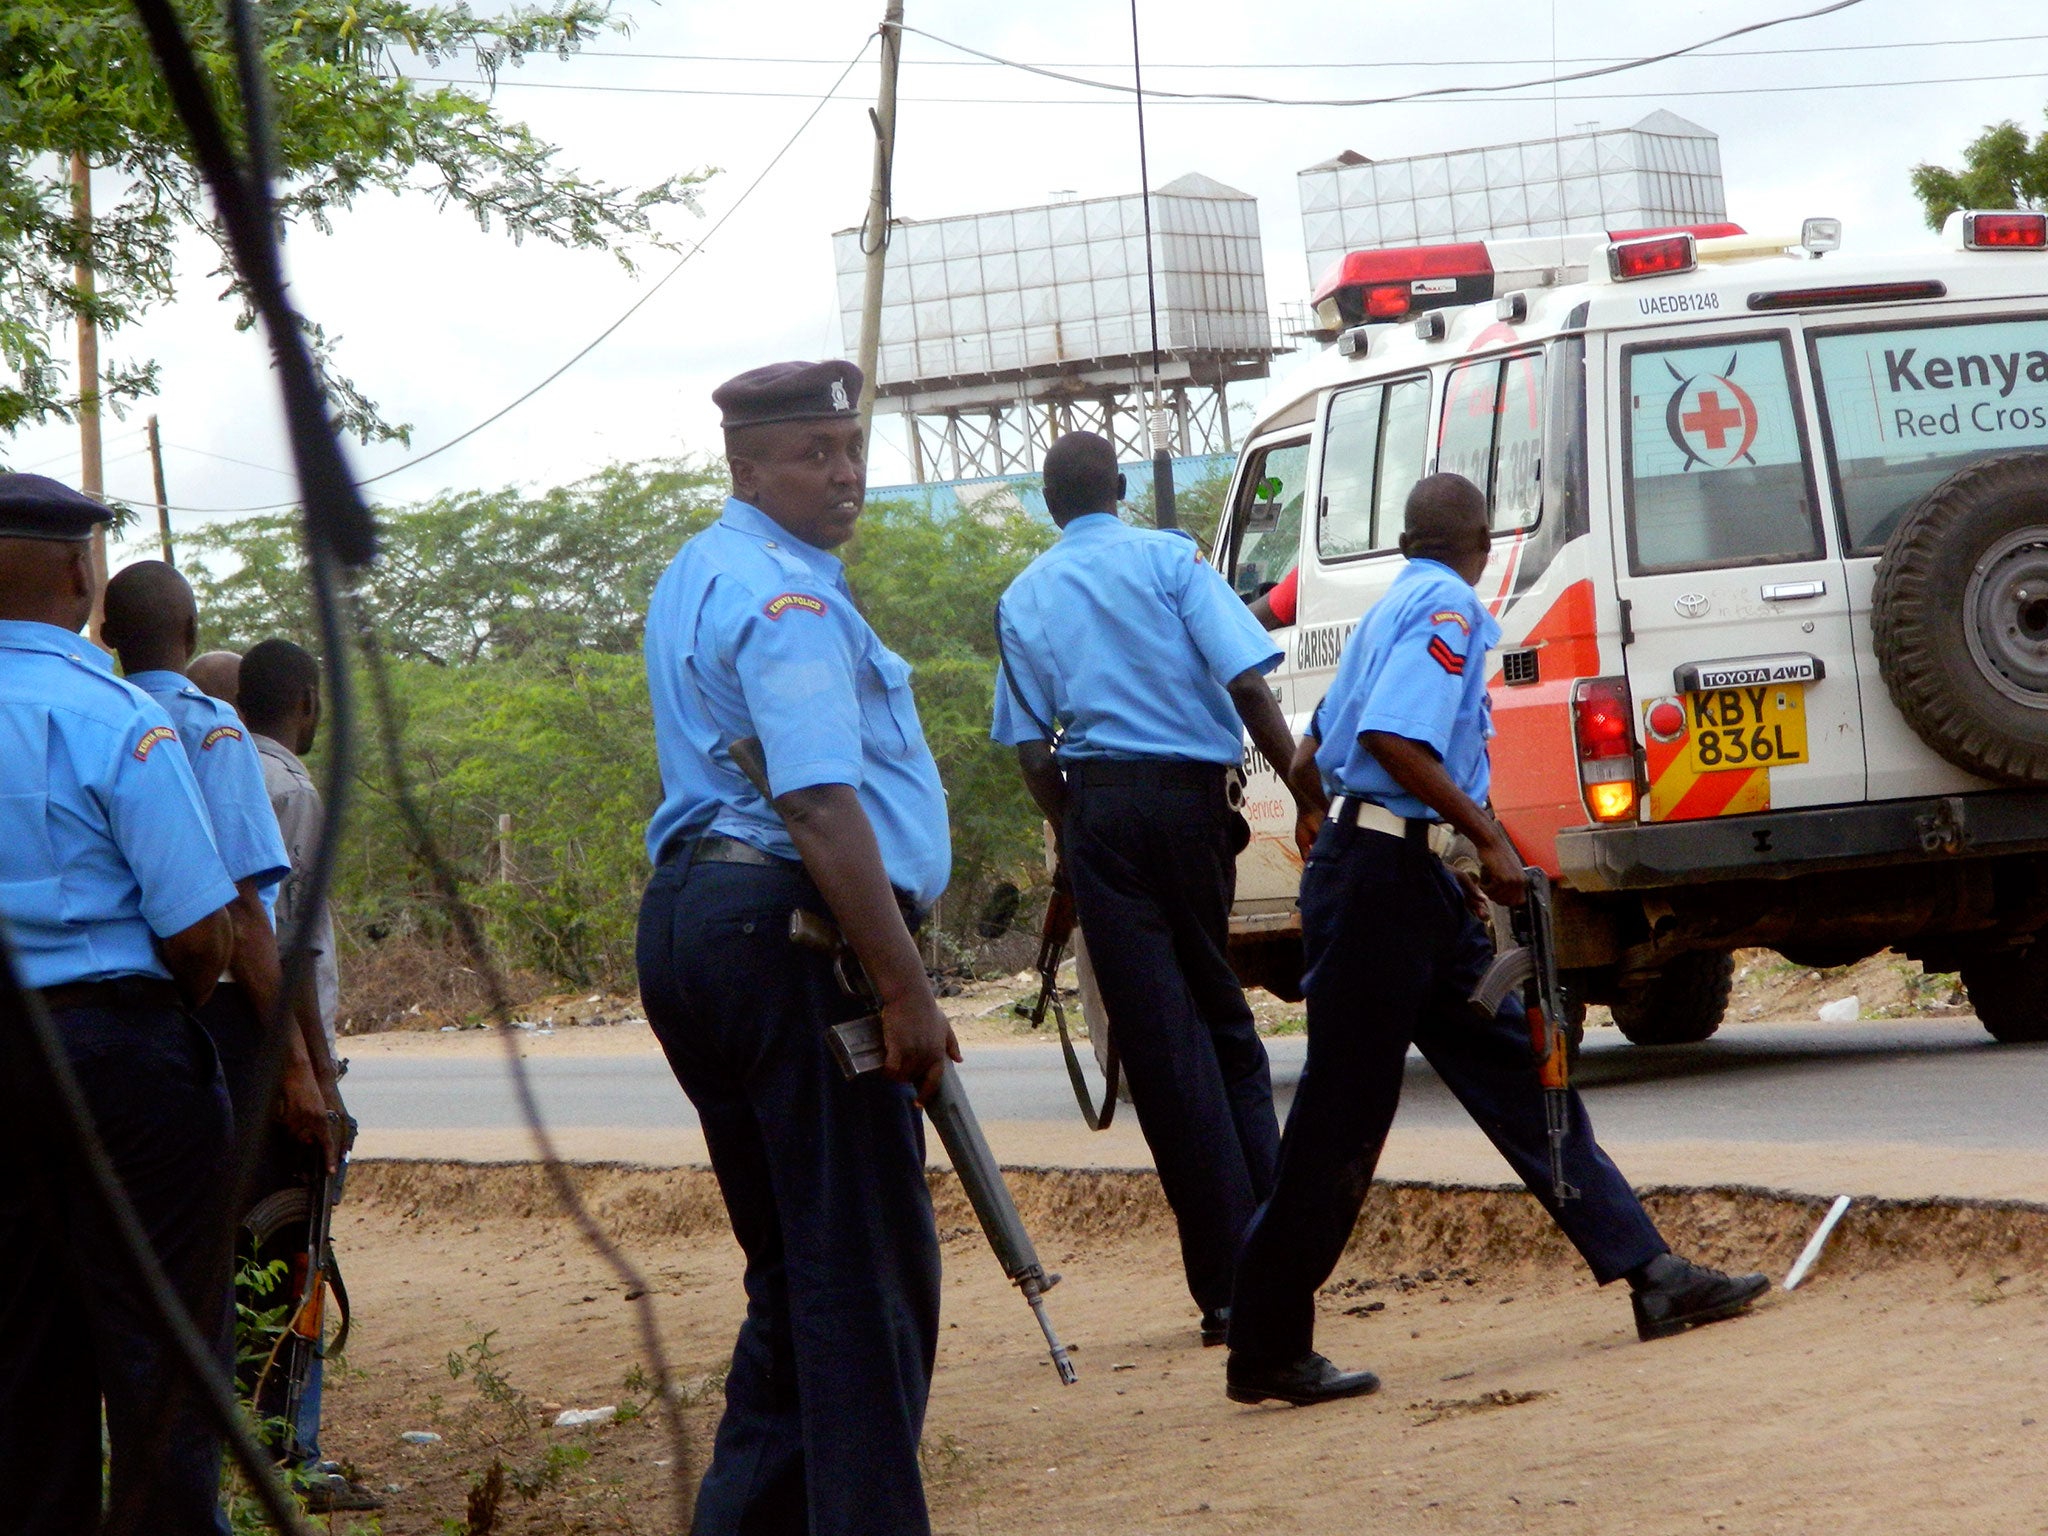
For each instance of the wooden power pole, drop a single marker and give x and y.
(875, 232)
(163, 502)
(91, 466)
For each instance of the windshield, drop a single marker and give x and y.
(1907, 408)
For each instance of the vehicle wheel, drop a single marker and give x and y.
(1960, 618)
(1681, 1005)
(2009, 990)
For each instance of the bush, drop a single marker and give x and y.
(513, 625)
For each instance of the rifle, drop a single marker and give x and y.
(1532, 966)
(1054, 936)
(291, 1358)
(858, 1048)
(1053, 939)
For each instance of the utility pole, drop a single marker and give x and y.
(91, 467)
(1163, 513)
(163, 507)
(874, 234)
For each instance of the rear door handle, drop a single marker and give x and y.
(1791, 591)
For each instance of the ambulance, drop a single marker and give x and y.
(1770, 559)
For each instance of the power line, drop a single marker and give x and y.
(1248, 101)
(205, 453)
(1433, 91)
(597, 340)
(1242, 65)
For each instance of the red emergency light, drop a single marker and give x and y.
(2005, 231)
(1655, 257)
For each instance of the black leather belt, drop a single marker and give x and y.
(1145, 773)
(119, 992)
(730, 850)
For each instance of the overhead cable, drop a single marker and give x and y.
(1424, 94)
(1240, 65)
(602, 336)
(1238, 101)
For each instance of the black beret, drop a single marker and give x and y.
(828, 391)
(37, 507)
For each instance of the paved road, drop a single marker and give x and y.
(1934, 1082)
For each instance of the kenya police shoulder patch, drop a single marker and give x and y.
(150, 738)
(219, 733)
(776, 607)
(1451, 616)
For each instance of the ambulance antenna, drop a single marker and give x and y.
(1163, 515)
(1556, 135)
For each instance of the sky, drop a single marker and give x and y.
(443, 324)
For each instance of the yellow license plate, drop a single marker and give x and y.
(1754, 727)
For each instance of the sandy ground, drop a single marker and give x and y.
(1901, 1390)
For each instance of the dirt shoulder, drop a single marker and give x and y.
(1902, 1389)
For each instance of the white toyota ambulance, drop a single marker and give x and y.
(1771, 560)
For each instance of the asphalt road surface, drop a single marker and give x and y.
(1936, 1082)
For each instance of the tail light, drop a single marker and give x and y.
(2005, 231)
(1655, 257)
(1606, 742)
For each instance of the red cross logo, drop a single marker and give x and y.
(1712, 421)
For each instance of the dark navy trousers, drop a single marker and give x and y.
(75, 1327)
(1149, 850)
(1393, 953)
(824, 1183)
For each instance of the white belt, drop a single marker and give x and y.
(1349, 810)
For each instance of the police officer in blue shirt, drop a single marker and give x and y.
(1130, 648)
(753, 633)
(115, 903)
(152, 623)
(1394, 945)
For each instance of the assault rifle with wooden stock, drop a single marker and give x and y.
(1532, 966)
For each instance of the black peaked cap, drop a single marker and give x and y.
(827, 391)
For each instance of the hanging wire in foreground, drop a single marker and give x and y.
(697, 245)
(340, 536)
(1381, 101)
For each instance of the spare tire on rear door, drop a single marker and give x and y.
(1960, 618)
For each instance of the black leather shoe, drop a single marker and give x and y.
(1215, 1327)
(1305, 1381)
(335, 1494)
(1675, 1295)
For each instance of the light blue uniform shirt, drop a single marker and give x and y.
(753, 632)
(1416, 668)
(1126, 639)
(230, 776)
(104, 840)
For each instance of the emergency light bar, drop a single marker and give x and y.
(2005, 231)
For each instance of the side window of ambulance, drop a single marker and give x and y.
(1268, 518)
(1375, 446)
(1404, 456)
(1493, 435)
(1716, 457)
(1351, 446)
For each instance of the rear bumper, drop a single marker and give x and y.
(1783, 844)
